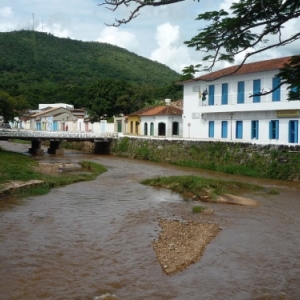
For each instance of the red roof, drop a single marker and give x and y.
(259, 66)
(162, 110)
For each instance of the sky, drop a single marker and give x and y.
(157, 33)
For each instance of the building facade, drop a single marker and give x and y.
(226, 105)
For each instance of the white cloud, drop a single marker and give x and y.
(6, 11)
(171, 50)
(115, 36)
(55, 29)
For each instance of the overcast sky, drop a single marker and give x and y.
(157, 34)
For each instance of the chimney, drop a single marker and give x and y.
(168, 101)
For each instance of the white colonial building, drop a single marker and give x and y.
(221, 106)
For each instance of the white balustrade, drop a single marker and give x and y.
(55, 134)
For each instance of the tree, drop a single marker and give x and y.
(249, 27)
(11, 107)
(105, 98)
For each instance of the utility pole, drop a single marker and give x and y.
(33, 22)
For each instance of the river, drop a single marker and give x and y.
(91, 238)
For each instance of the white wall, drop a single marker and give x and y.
(197, 113)
(168, 120)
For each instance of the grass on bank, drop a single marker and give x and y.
(18, 167)
(201, 187)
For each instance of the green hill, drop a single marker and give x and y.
(41, 67)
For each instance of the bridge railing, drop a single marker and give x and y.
(56, 134)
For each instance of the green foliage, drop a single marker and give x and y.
(232, 32)
(198, 209)
(198, 186)
(143, 151)
(123, 145)
(42, 68)
(18, 167)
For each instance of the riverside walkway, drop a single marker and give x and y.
(101, 140)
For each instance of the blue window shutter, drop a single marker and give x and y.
(276, 93)
(241, 92)
(239, 130)
(211, 126)
(257, 129)
(296, 131)
(225, 93)
(224, 129)
(290, 131)
(277, 130)
(211, 95)
(270, 130)
(256, 90)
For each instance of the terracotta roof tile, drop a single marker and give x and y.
(259, 66)
(162, 110)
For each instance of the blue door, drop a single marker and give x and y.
(239, 130)
(256, 90)
(293, 131)
(211, 129)
(211, 95)
(224, 129)
(55, 126)
(225, 93)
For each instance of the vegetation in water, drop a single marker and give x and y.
(200, 187)
(198, 209)
(18, 167)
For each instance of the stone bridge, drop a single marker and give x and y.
(101, 140)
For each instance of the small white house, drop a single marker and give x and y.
(163, 120)
(220, 106)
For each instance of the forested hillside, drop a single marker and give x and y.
(42, 68)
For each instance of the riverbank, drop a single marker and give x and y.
(253, 160)
(22, 176)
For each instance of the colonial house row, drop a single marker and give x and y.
(221, 106)
(155, 121)
(61, 117)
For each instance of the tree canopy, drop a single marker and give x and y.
(250, 27)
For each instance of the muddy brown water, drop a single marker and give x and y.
(92, 238)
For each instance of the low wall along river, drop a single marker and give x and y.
(263, 161)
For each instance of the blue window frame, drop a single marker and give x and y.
(55, 126)
(276, 94)
(225, 93)
(241, 92)
(254, 129)
(224, 131)
(211, 129)
(293, 131)
(211, 95)
(256, 90)
(239, 130)
(274, 130)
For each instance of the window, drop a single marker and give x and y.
(151, 128)
(211, 129)
(254, 129)
(224, 129)
(293, 131)
(276, 93)
(175, 128)
(225, 93)
(119, 126)
(239, 130)
(256, 90)
(241, 92)
(145, 128)
(211, 95)
(131, 126)
(274, 130)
